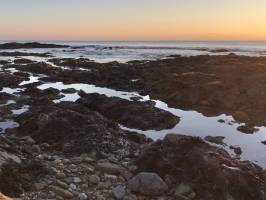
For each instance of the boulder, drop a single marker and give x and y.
(147, 184)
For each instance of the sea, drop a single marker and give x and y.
(124, 51)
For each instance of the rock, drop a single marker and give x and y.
(104, 185)
(264, 142)
(69, 91)
(28, 140)
(94, 179)
(109, 168)
(83, 196)
(247, 129)
(119, 192)
(185, 191)
(133, 114)
(241, 116)
(130, 197)
(36, 148)
(62, 184)
(39, 186)
(77, 180)
(173, 138)
(61, 192)
(215, 139)
(147, 184)
(237, 150)
(5, 156)
(72, 187)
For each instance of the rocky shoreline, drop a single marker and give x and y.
(76, 149)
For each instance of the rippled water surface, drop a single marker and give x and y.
(126, 51)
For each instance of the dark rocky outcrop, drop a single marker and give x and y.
(29, 45)
(132, 114)
(209, 171)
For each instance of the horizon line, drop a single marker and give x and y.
(174, 40)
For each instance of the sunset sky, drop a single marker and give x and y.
(133, 19)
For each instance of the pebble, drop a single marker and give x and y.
(108, 167)
(63, 193)
(94, 179)
(119, 192)
(62, 184)
(72, 187)
(83, 196)
(77, 180)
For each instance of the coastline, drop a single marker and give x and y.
(80, 145)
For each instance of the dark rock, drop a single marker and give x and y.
(191, 157)
(31, 45)
(147, 184)
(140, 115)
(247, 129)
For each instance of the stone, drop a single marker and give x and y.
(147, 184)
(62, 184)
(63, 193)
(241, 116)
(104, 185)
(77, 180)
(72, 187)
(247, 129)
(94, 179)
(83, 196)
(119, 192)
(28, 140)
(237, 150)
(183, 190)
(215, 139)
(108, 167)
(36, 148)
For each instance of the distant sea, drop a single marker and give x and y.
(151, 50)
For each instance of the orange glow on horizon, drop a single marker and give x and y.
(138, 20)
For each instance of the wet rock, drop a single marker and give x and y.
(215, 139)
(140, 115)
(29, 45)
(147, 184)
(69, 91)
(23, 61)
(83, 130)
(119, 192)
(17, 53)
(241, 116)
(237, 150)
(247, 129)
(190, 157)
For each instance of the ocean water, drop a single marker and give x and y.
(127, 51)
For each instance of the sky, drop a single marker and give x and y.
(132, 20)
